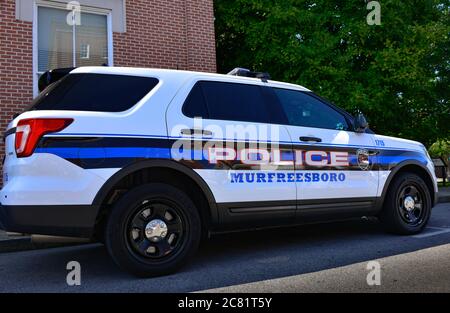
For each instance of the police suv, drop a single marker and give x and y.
(149, 161)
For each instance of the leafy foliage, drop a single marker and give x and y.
(440, 148)
(397, 73)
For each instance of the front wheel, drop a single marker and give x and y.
(153, 230)
(407, 207)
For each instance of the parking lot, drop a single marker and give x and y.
(328, 257)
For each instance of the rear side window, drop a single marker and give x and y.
(195, 104)
(94, 92)
(232, 102)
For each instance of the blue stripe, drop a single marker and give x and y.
(397, 159)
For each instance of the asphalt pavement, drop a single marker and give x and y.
(326, 257)
(426, 270)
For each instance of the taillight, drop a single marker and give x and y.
(29, 131)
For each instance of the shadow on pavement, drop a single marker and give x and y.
(223, 261)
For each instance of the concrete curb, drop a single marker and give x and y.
(16, 244)
(36, 242)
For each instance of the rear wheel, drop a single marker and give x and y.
(153, 230)
(407, 207)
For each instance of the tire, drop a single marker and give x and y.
(400, 215)
(134, 234)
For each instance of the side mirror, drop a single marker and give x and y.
(360, 123)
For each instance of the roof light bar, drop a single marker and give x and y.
(238, 71)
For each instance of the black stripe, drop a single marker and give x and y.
(275, 213)
(104, 163)
(93, 142)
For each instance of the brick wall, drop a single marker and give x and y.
(16, 85)
(177, 34)
(200, 35)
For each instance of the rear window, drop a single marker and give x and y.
(94, 92)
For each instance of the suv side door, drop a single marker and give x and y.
(337, 166)
(236, 117)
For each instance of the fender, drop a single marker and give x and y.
(394, 171)
(170, 164)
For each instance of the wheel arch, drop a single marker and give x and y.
(104, 193)
(411, 166)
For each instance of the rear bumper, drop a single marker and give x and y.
(60, 220)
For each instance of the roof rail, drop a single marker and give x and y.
(239, 71)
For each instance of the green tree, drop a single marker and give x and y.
(441, 149)
(397, 73)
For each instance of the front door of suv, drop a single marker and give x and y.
(335, 166)
(244, 145)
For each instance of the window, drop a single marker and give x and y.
(94, 92)
(92, 33)
(232, 102)
(60, 44)
(105, 53)
(305, 110)
(235, 102)
(84, 51)
(195, 105)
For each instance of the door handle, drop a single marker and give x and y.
(193, 132)
(306, 138)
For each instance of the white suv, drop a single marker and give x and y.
(148, 161)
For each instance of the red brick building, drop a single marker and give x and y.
(37, 35)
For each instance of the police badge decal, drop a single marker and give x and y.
(362, 156)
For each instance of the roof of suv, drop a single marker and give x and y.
(163, 74)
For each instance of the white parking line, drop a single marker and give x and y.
(437, 231)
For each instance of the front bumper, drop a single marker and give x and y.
(59, 220)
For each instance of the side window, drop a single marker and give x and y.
(304, 110)
(195, 105)
(235, 102)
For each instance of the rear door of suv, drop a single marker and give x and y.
(336, 166)
(246, 148)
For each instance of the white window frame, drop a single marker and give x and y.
(63, 6)
(85, 51)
